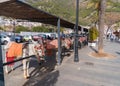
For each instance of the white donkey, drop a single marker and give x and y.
(27, 50)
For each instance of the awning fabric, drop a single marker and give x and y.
(20, 10)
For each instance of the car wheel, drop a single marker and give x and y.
(5, 42)
(18, 41)
(29, 41)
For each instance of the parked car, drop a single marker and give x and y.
(27, 38)
(53, 36)
(4, 39)
(42, 35)
(18, 38)
(36, 37)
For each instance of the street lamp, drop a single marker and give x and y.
(76, 58)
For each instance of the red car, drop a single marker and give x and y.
(36, 37)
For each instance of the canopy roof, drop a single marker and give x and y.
(20, 10)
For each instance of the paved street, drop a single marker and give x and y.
(89, 71)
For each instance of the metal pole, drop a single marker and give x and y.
(82, 31)
(1, 66)
(59, 47)
(14, 29)
(76, 58)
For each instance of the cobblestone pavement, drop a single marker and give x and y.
(89, 71)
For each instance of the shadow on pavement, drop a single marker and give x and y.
(44, 74)
(118, 53)
(48, 79)
(93, 49)
(65, 53)
(18, 66)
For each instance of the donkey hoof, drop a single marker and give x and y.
(12, 69)
(28, 76)
(25, 77)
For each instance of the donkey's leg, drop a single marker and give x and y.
(12, 68)
(63, 50)
(6, 67)
(38, 57)
(27, 72)
(24, 68)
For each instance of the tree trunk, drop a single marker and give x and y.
(101, 25)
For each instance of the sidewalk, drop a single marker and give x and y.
(89, 71)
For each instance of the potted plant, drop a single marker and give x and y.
(93, 35)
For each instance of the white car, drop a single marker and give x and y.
(4, 39)
(27, 38)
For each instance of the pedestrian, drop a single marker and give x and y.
(111, 37)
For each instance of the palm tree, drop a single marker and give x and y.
(99, 13)
(101, 25)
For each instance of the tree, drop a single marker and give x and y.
(112, 19)
(112, 11)
(93, 6)
(100, 6)
(20, 28)
(101, 25)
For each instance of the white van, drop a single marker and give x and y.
(4, 39)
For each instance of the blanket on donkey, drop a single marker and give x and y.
(9, 59)
(15, 50)
(52, 44)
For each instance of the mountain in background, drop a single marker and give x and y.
(66, 9)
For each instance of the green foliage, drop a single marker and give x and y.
(1, 28)
(115, 7)
(66, 9)
(62, 8)
(93, 34)
(20, 28)
(62, 29)
(85, 12)
(40, 29)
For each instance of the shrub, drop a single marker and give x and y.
(40, 29)
(1, 28)
(93, 34)
(20, 28)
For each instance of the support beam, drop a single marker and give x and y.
(76, 58)
(14, 24)
(1, 66)
(1, 1)
(59, 43)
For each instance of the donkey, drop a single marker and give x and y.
(36, 49)
(27, 50)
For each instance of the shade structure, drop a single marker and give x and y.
(20, 10)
